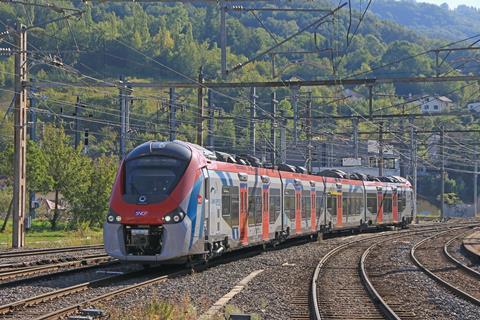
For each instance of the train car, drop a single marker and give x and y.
(173, 201)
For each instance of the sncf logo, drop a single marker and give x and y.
(140, 213)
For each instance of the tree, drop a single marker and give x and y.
(91, 205)
(68, 170)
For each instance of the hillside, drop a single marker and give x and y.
(430, 20)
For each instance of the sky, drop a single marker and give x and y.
(454, 3)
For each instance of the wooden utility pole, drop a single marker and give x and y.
(20, 137)
(200, 108)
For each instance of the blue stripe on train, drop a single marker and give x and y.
(222, 177)
(192, 207)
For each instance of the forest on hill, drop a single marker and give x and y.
(170, 42)
(437, 22)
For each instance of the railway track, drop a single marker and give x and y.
(16, 271)
(70, 300)
(342, 289)
(432, 256)
(34, 252)
(35, 306)
(337, 290)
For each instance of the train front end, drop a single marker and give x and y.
(155, 202)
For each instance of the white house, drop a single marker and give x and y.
(435, 104)
(473, 107)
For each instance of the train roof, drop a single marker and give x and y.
(183, 151)
(175, 149)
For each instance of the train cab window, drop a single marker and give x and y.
(152, 175)
(372, 202)
(290, 204)
(275, 205)
(332, 205)
(306, 204)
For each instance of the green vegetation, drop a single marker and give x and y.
(170, 42)
(433, 21)
(155, 309)
(40, 235)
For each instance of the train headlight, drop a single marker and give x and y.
(174, 217)
(113, 218)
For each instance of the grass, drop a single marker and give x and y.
(155, 309)
(41, 236)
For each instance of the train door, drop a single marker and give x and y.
(395, 205)
(332, 208)
(306, 209)
(380, 205)
(320, 207)
(339, 210)
(313, 210)
(243, 214)
(289, 209)
(265, 212)
(298, 211)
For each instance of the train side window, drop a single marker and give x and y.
(332, 205)
(372, 202)
(346, 203)
(251, 206)
(274, 205)
(206, 183)
(402, 201)
(319, 204)
(290, 204)
(254, 206)
(226, 204)
(387, 203)
(306, 204)
(234, 213)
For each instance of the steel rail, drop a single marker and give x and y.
(45, 276)
(385, 308)
(31, 301)
(26, 271)
(456, 261)
(60, 314)
(432, 275)
(313, 287)
(321, 263)
(34, 252)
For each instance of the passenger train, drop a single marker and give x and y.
(174, 201)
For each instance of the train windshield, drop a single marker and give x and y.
(153, 175)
